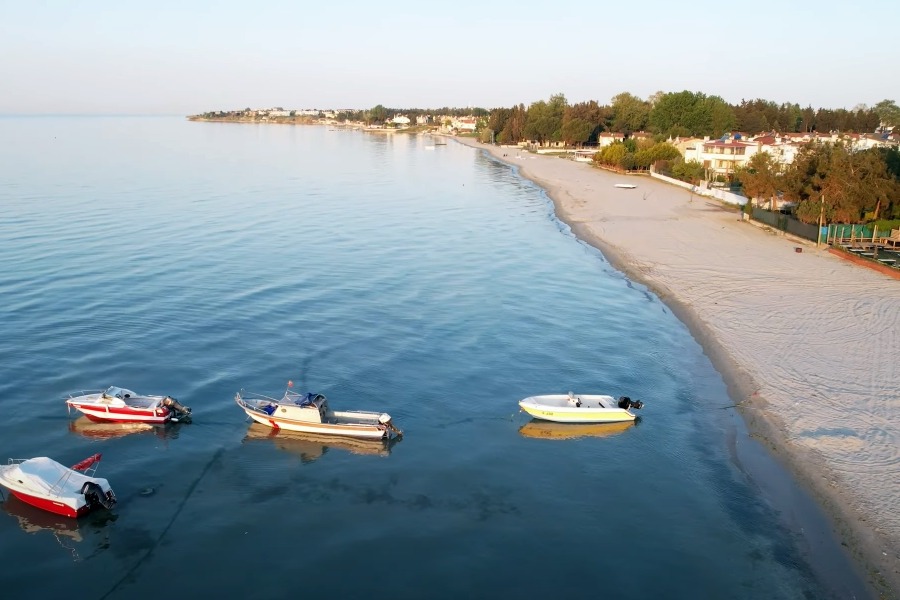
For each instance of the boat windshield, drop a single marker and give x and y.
(307, 399)
(117, 392)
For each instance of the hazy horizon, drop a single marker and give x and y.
(167, 59)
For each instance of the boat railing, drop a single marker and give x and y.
(253, 396)
(249, 401)
(83, 393)
(90, 470)
(16, 461)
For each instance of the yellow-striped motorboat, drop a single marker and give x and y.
(581, 408)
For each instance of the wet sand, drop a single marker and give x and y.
(808, 343)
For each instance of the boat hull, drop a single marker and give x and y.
(371, 432)
(51, 505)
(595, 416)
(111, 414)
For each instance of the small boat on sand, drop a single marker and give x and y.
(625, 186)
(44, 483)
(581, 408)
(121, 405)
(310, 413)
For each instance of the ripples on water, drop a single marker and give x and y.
(197, 259)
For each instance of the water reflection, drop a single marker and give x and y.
(311, 447)
(548, 430)
(75, 536)
(104, 431)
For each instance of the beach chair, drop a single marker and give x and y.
(893, 241)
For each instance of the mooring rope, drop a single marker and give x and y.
(168, 526)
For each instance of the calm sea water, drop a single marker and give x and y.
(197, 259)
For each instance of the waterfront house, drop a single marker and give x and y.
(723, 156)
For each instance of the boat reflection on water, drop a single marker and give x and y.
(71, 534)
(549, 430)
(104, 431)
(311, 447)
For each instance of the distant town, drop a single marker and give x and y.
(453, 121)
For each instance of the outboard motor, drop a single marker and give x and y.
(180, 412)
(388, 424)
(626, 403)
(95, 496)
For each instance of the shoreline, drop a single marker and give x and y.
(661, 237)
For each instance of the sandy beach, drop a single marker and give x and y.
(808, 343)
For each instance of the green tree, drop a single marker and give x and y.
(498, 119)
(674, 110)
(693, 112)
(690, 171)
(378, 114)
(544, 119)
(629, 113)
(534, 121)
(611, 155)
(514, 129)
(888, 112)
(576, 131)
(589, 112)
(721, 116)
(760, 177)
(661, 151)
(854, 185)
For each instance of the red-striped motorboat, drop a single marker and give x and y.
(125, 406)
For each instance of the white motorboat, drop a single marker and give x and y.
(625, 186)
(310, 413)
(581, 408)
(121, 405)
(50, 486)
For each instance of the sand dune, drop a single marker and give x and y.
(808, 343)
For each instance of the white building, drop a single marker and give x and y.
(464, 123)
(607, 138)
(722, 157)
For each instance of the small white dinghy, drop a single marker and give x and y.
(309, 413)
(581, 408)
(625, 186)
(44, 483)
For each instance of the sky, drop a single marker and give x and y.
(191, 56)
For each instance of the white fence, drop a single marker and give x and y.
(703, 189)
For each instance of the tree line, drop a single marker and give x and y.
(830, 181)
(674, 114)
